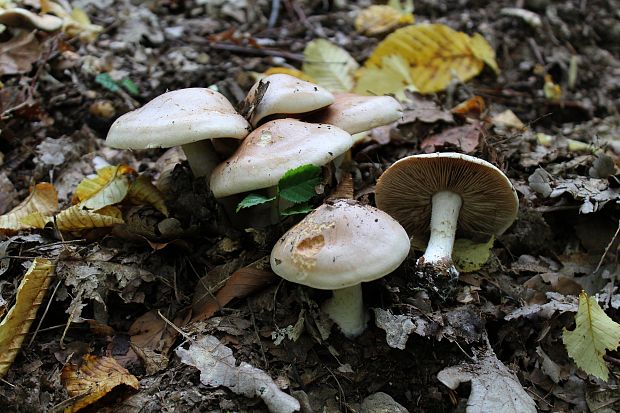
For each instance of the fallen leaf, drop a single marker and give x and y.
(595, 332)
(331, 66)
(552, 91)
(93, 378)
(30, 294)
(241, 283)
(378, 19)
(142, 191)
(464, 137)
(557, 302)
(470, 256)
(419, 109)
(77, 219)
(471, 108)
(392, 75)
(397, 327)
(507, 119)
(218, 367)
(433, 55)
(109, 187)
(19, 53)
(43, 200)
(494, 388)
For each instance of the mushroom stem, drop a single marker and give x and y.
(346, 309)
(201, 157)
(444, 217)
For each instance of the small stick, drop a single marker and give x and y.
(256, 51)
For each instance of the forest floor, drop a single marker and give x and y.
(54, 117)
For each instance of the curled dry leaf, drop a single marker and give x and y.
(30, 294)
(241, 283)
(77, 219)
(142, 191)
(465, 137)
(109, 187)
(42, 203)
(433, 54)
(93, 378)
(19, 53)
(218, 367)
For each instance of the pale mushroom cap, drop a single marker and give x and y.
(274, 148)
(288, 95)
(177, 118)
(355, 113)
(405, 191)
(339, 245)
(18, 17)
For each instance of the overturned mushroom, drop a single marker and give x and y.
(435, 196)
(337, 247)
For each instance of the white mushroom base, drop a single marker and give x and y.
(444, 218)
(346, 309)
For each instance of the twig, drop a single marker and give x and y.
(275, 12)
(260, 342)
(256, 51)
(613, 239)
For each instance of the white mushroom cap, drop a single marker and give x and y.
(269, 151)
(23, 18)
(339, 245)
(177, 118)
(406, 189)
(287, 95)
(355, 113)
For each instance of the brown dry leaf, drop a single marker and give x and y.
(507, 119)
(434, 55)
(92, 379)
(418, 109)
(19, 53)
(109, 187)
(30, 294)
(142, 191)
(471, 108)
(42, 200)
(241, 283)
(378, 19)
(77, 219)
(465, 137)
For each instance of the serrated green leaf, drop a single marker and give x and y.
(469, 256)
(297, 184)
(253, 200)
(302, 208)
(594, 333)
(105, 80)
(130, 87)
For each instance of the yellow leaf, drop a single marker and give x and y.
(109, 187)
(30, 294)
(435, 54)
(43, 200)
(35, 220)
(377, 19)
(483, 51)
(595, 332)
(394, 77)
(77, 219)
(553, 91)
(93, 378)
(331, 66)
(142, 191)
(291, 72)
(469, 256)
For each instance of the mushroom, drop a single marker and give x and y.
(337, 247)
(267, 153)
(285, 95)
(188, 117)
(23, 18)
(356, 113)
(441, 193)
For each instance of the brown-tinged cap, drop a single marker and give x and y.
(274, 148)
(287, 95)
(177, 118)
(356, 113)
(339, 245)
(405, 191)
(23, 18)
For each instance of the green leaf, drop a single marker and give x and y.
(253, 200)
(130, 86)
(595, 332)
(469, 256)
(297, 185)
(302, 208)
(105, 80)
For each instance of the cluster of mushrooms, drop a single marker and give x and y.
(342, 243)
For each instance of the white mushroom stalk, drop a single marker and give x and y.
(201, 157)
(446, 206)
(346, 309)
